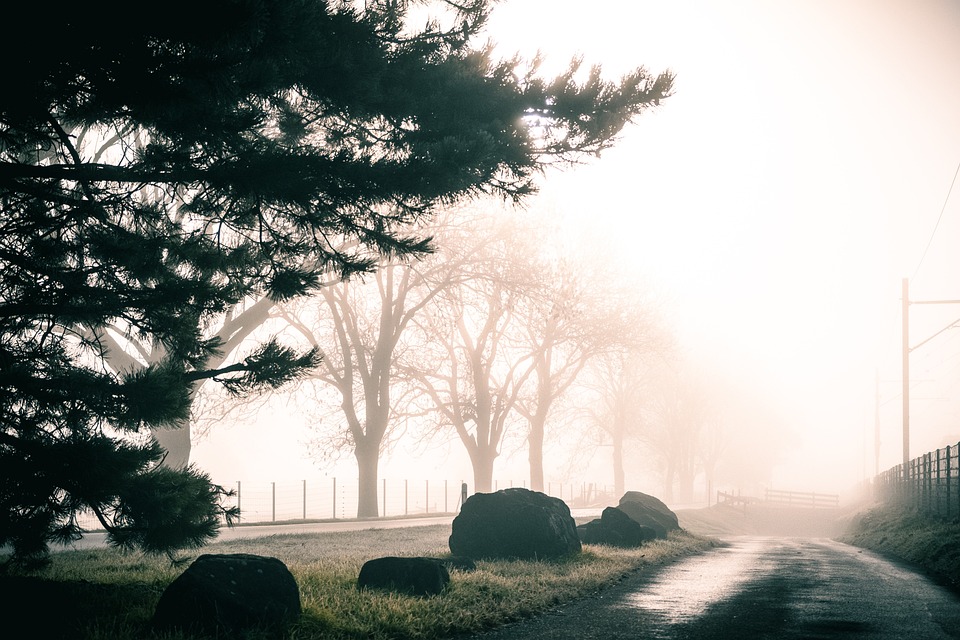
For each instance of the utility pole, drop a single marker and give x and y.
(876, 422)
(905, 342)
(906, 349)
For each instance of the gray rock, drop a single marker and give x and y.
(650, 512)
(416, 576)
(615, 528)
(514, 523)
(228, 594)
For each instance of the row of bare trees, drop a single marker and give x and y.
(502, 330)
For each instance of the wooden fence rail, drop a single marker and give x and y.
(779, 498)
(930, 482)
(810, 499)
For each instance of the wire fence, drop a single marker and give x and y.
(338, 498)
(930, 483)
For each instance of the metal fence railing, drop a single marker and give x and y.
(930, 483)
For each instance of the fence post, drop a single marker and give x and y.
(936, 486)
(947, 472)
(239, 512)
(273, 502)
(917, 481)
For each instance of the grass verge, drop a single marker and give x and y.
(108, 595)
(904, 534)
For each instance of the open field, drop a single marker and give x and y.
(103, 594)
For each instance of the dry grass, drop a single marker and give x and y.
(114, 594)
(905, 534)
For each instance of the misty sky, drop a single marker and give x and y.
(775, 202)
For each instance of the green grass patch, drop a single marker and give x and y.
(905, 534)
(111, 595)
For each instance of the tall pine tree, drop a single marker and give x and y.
(156, 171)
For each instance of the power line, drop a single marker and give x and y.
(939, 218)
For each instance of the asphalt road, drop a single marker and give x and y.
(98, 539)
(759, 588)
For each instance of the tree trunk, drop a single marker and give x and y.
(668, 483)
(368, 463)
(482, 471)
(176, 442)
(685, 493)
(619, 481)
(536, 453)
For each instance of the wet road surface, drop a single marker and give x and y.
(760, 588)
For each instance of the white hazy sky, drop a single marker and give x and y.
(776, 200)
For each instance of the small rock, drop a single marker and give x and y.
(416, 576)
(228, 594)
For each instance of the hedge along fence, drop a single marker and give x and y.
(931, 482)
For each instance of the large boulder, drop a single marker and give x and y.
(514, 523)
(416, 576)
(650, 512)
(616, 529)
(228, 594)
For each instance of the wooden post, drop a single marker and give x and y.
(936, 485)
(273, 502)
(947, 472)
(239, 512)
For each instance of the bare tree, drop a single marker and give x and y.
(617, 385)
(572, 316)
(475, 363)
(680, 410)
(359, 327)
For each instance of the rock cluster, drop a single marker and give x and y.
(639, 518)
(616, 529)
(650, 512)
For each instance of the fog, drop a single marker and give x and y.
(803, 167)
